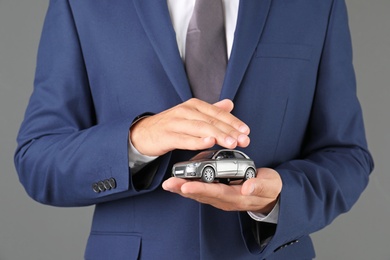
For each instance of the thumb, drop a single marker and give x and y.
(249, 187)
(267, 184)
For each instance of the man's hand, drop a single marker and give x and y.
(258, 194)
(192, 125)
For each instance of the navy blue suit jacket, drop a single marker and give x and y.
(102, 63)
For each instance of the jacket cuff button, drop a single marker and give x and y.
(95, 188)
(112, 183)
(101, 186)
(107, 185)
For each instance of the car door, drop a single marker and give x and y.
(242, 163)
(226, 164)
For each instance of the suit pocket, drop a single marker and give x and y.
(284, 51)
(113, 246)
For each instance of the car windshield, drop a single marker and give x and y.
(203, 155)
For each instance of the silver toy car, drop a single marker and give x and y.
(224, 165)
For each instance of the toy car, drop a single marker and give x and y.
(224, 165)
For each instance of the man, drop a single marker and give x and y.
(112, 110)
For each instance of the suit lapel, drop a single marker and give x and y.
(155, 18)
(250, 23)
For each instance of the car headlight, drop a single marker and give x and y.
(193, 165)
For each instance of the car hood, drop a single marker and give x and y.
(188, 162)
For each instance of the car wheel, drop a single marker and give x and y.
(250, 173)
(208, 174)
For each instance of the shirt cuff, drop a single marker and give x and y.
(137, 160)
(272, 217)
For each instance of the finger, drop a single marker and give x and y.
(201, 129)
(179, 131)
(173, 184)
(226, 135)
(221, 131)
(221, 115)
(215, 114)
(194, 110)
(186, 142)
(211, 191)
(225, 104)
(201, 189)
(225, 197)
(198, 124)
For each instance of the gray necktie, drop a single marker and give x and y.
(206, 55)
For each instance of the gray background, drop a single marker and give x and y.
(32, 231)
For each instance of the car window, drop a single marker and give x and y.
(203, 155)
(229, 155)
(221, 155)
(239, 155)
(224, 155)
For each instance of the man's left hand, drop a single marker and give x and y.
(258, 194)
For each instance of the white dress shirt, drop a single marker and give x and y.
(181, 12)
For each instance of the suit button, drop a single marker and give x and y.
(112, 183)
(286, 245)
(101, 186)
(107, 185)
(95, 187)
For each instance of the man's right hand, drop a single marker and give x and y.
(192, 125)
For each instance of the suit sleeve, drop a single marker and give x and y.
(63, 151)
(335, 164)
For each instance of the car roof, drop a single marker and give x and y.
(211, 153)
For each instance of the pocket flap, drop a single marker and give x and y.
(113, 246)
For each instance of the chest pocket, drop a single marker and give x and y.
(284, 51)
